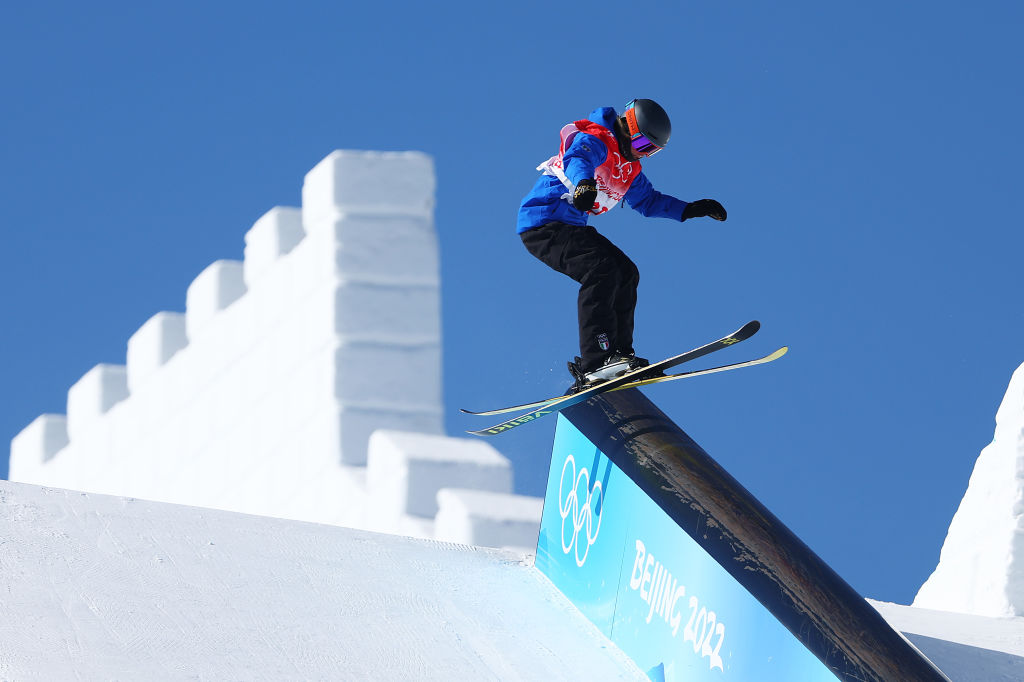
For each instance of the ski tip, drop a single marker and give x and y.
(748, 330)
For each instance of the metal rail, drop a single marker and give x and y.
(810, 599)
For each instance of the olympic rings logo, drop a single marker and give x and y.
(580, 515)
(623, 169)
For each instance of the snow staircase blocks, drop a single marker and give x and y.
(272, 236)
(263, 395)
(406, 471)
(93, 395)
(153, 345)
(216, 287)
(473, 517)
(39, 441)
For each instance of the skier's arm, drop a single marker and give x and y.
(584, 154)
(650, 203)
(643, 198)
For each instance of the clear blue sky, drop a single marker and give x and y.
(868, 154)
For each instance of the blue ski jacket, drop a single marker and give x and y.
(545, 202)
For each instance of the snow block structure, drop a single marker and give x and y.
(263, 395)
(981, 566)
(475, 517)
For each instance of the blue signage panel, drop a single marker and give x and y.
(648, 585)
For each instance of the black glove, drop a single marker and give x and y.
(585, 194)
(704, 207)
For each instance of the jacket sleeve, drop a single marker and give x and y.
(584, 154)
(649, 202)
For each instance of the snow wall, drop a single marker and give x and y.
(690, 575)
(302, 383)
(981, 566)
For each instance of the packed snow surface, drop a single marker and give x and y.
(99, 587)
(967, 648)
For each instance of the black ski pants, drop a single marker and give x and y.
(608, 281)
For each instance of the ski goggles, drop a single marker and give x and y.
(642, 144)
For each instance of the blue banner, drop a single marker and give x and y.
(648, 585)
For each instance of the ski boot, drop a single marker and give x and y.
(614, 365)
(637, 363)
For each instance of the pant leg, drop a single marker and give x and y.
(610, 283)
(607, 278)
(625, 304)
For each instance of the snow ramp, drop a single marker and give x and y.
(687, 572)
(103, 588)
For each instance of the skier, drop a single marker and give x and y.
(597, 164)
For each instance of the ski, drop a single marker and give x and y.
(744, 332)
(644, 382)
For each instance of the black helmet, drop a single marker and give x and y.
(648, 125)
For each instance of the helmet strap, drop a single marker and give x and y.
(623, 138)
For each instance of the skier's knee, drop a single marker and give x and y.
(603, 270)
(630, 272)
